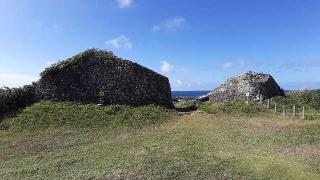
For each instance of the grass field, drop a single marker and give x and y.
(193, 145)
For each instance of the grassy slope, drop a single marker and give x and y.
(196, 145)
(47, 114)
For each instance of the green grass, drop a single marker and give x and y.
(48, 114)
(189, 146)
(233, 107)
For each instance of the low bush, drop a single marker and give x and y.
(12, 99)
(47, 114)
(212, 108)
(310, 100)
(233, 107)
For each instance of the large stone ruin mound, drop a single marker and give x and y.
(98, 76)
(254, 85)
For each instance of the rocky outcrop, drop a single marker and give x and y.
(254, 85)
(97, 76)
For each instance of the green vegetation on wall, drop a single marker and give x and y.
(76, 60)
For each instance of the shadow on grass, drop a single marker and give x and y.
(187, 109)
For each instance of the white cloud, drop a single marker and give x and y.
(16, 80)
(171, 24)
(166, 67)
(124, 3)
(227, 65)
(242, 62)
(187, 85)
(299, 65)
(120, 42)
(179, 83)
(230, 64)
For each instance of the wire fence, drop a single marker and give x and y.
(291, 110)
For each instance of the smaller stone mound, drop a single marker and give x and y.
(254, 85)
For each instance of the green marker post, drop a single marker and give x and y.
(101, 97)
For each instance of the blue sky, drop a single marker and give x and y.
(197, 44)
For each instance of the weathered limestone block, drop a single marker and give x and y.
(256, 85)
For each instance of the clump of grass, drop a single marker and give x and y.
(47, 114)
(233, 107)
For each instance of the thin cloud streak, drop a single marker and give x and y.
(300, 65)
(124, 3)
(171, 24)
(120, 42)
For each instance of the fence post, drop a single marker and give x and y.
(283, 110)
(294, 111)
(275, 107)
(268, 103)
(303, 113)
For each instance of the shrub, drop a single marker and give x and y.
(310, 100)
(12, 99)
(213, 108)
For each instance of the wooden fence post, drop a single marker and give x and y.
(303, 113)
(268, 103)
(275, 107)
(283, 110)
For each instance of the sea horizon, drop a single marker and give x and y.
(189, 93)
(199, 93)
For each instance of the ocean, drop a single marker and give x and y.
(189, 93)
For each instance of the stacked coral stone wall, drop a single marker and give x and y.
(83, 77)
